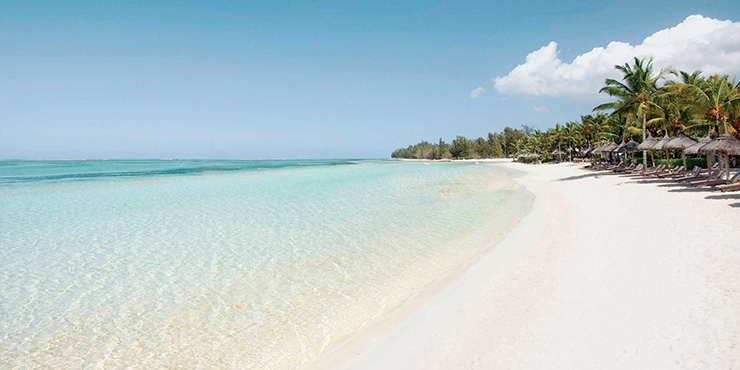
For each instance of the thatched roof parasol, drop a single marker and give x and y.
(606, 148)
(680, 141)
(726, 144)
(598, 149)
(694, 149)
(618, 147)
(660, 144)
(628, 147)
(647, 144)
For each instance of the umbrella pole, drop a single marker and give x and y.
(684, 160)
(667, 159)
(709, 161)
(727, 166)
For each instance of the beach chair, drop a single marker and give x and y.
(616, 167)
(654, 171)
(637, 169)
(694, 171)
(698, 175)
(624, 169)
(667, 170)
(715, 176)
(733, 180)
(729, 187)
(674, 172)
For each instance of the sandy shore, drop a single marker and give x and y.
(606, 272)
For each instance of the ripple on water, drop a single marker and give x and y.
(250, 269)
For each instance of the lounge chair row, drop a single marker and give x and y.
(713, 177)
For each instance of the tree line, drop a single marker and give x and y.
(646, 103)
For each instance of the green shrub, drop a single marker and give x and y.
(690, 162)
(530, 160)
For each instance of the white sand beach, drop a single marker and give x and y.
(606, 272)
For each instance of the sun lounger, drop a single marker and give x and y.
(697, 175)
(656, 170)
(715, 176)
(640, 167)
(673, 172)
(624, 169)
(734, 179)
(729, 187)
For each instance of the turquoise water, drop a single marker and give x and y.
(227, 264)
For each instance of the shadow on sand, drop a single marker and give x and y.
(594, 175)
(692, 190)
(724, 196)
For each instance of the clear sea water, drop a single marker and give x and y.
(227, 264)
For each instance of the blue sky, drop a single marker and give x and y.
(294, 80)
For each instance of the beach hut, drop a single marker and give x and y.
(647, 145)
(726, 144)
(694, 149)
(680, 141)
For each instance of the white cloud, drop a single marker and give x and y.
(540, 109)
(476, 92)
(696, 43)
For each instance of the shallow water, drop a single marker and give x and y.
(246, 264)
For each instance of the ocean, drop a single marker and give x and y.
(228, 263)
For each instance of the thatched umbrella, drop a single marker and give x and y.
(628, 147)
(608, 149)
(660, 146)
(680, 141)
(648, 144)
(726, 144)
(598, 149)
(617, 149)
(694, 149)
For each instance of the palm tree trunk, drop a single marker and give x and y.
(644, 128)
(560, 153)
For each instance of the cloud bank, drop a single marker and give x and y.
(476, 92)
(698, 42)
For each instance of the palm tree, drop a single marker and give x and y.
(593, 127)
(713, 99)
(557, 135)
(574, 135)
(635, 95)
(674, 115)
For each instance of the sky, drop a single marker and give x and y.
(346, 79)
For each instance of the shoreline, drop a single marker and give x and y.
(605, 271)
